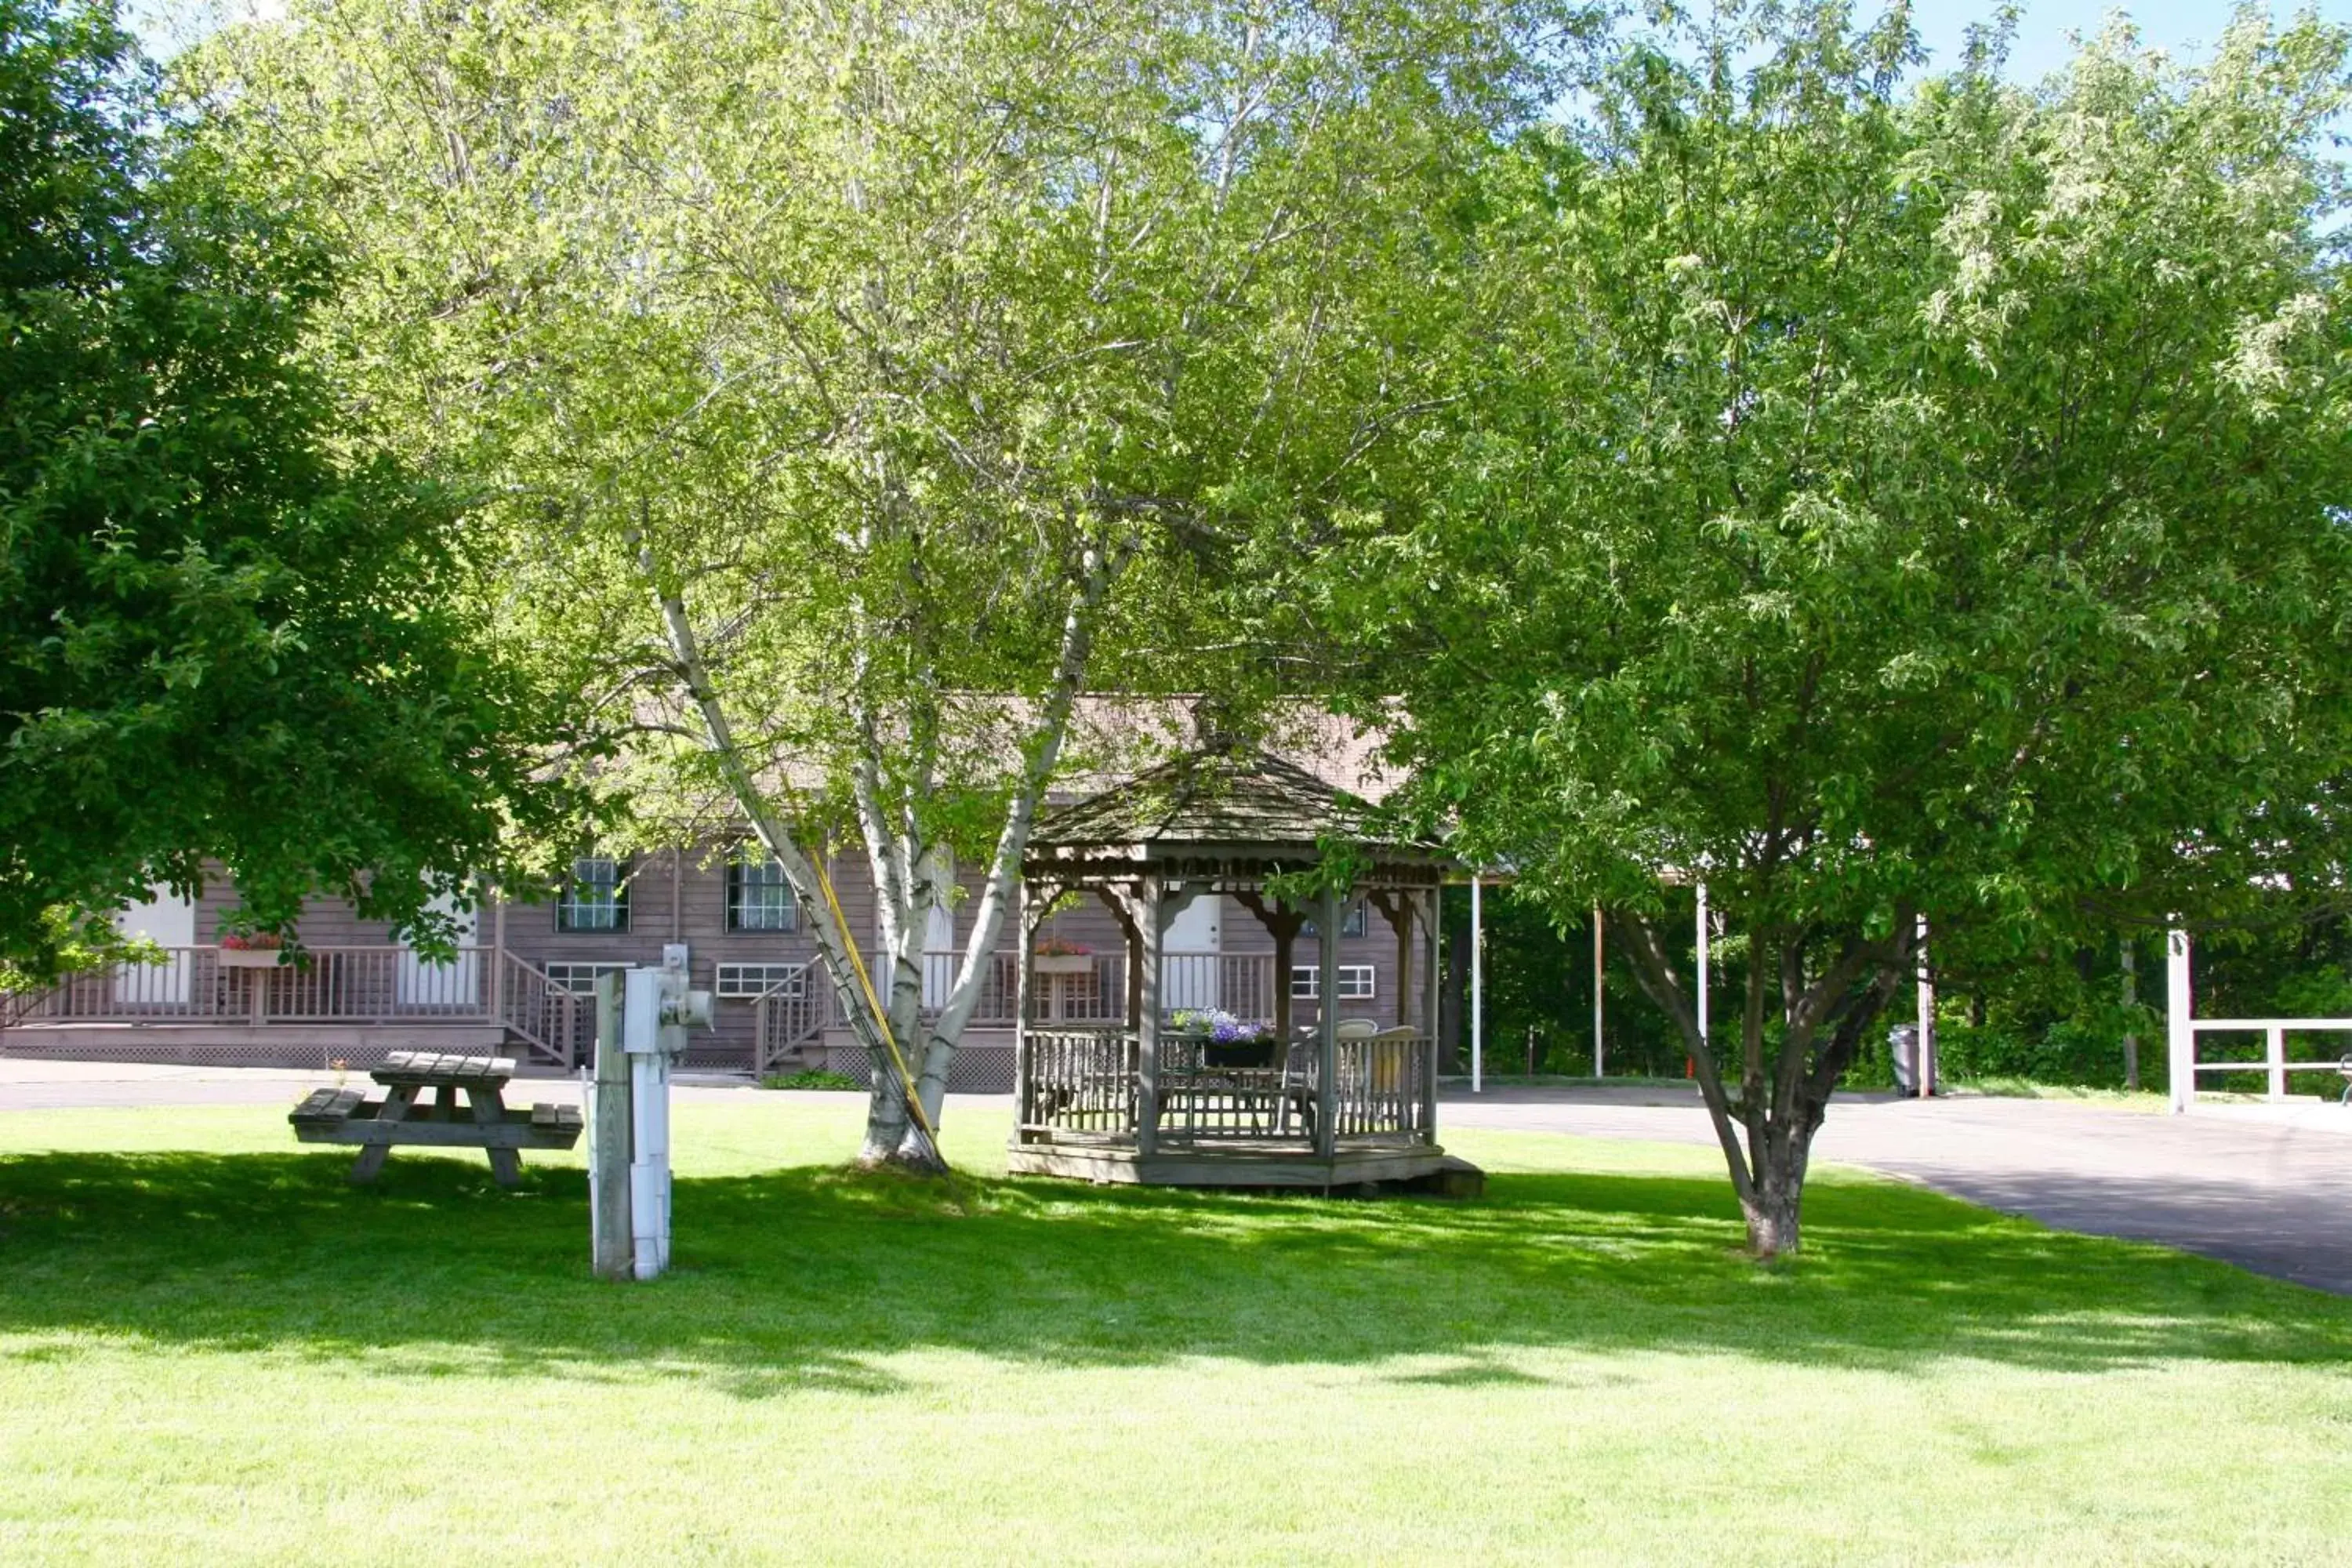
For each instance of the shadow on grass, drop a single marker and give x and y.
(802, 1277)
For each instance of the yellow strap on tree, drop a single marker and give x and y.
(881, 1019)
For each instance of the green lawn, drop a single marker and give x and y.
(212, 1349)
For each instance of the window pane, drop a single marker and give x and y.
(757, 896)
(1350, 923)
(595, 897)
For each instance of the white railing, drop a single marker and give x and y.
(2274, 1064)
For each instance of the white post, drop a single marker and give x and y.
(656, 1009)
(2179, 1037)
(1477, 990)
(1702, 964)
(1597, 1052)
(1924, 1064)
(649, 1121)
(2276, 1056)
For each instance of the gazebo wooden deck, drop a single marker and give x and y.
(1346, 1103)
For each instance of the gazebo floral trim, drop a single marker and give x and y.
(1154, 1100)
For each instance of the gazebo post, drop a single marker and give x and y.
(1429, 990)
(1327, 1023)
(1147, 1024)
(1284, 951)
(1025, 986)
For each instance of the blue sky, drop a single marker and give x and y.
(2179, 27)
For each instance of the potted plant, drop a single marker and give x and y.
(1056, 955)
(1227, 1041)
(251, 949)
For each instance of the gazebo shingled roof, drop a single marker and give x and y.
(1216, 798)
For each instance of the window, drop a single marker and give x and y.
(1356, 983)
(595, 895)
(579, 979)
(1350, 924)
(752, 980)
(757, 896)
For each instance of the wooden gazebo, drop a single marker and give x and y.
(1333, 1105)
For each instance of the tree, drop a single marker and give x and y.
(861, 383)
(1896, 506)
(229, 630)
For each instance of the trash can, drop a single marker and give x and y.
(1903, 1051)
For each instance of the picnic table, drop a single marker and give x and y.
(347, 1116)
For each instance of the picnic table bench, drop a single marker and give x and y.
(347, 1116)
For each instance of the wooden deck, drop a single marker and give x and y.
(1230, 1163)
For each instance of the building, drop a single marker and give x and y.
(520, 984)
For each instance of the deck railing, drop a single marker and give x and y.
(376, 984)
(555, 1021)
(789, 1013)
(1240, 983)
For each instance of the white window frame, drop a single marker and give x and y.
(1357, 983)
(580, 978)
(748, 982)
(569, 907)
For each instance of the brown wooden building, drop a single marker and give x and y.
(520, 984)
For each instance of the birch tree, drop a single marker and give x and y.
(854, 385)
(1901, 502)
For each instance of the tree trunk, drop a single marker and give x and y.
(1772, 1212)
(1783, 1088)
(1453, 997)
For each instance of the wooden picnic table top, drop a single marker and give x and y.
(444, 1068)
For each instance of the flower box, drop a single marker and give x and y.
(251, 957)
(1063, 962)
(1238, 1053)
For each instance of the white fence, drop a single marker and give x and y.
(2184, 1029)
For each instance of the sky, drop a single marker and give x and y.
(2179, 27)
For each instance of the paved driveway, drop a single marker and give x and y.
(2266, 1187)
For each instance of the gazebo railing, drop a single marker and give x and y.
(1385, 1086)
(1088, 1082)
(1080, 1080)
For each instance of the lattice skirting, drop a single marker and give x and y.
(979, 1069)
(260, 1049)
(318, 1058)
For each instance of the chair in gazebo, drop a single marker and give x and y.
(1136, 1104)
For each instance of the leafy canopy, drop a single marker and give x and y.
(1893, 501)
(229, 629)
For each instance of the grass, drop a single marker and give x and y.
(2010, 1088)
(212, 1349)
